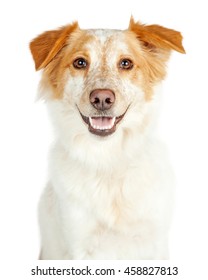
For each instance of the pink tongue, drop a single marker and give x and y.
(102, 122)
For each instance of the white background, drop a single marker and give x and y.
(25, 133)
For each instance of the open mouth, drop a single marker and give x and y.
(102, 125)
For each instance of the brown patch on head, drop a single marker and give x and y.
(152, 48)
(46, 50)
(149, 67)
(55, 51)
(57, 71)
(46, 46)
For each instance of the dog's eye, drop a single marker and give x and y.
(80, 63)
(126, 64)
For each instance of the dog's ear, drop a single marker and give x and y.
(157, 37)
(46, 46)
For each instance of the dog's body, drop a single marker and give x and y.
(110, 191)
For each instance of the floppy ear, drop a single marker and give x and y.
(46, 46)
(156, 36)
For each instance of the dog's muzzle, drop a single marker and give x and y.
(102, 124)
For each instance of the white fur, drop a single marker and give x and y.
(107, 197)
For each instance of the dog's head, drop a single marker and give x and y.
(101, 81)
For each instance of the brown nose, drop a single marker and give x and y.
(102, 99)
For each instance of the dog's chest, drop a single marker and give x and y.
(127, 204)
(116, 199)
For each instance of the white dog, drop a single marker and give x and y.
(109, 194)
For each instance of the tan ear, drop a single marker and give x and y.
(46, 46)
(156, 36)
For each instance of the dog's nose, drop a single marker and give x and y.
(102, 99)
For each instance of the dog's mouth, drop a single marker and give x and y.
(102, 125)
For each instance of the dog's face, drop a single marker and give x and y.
(103, 79)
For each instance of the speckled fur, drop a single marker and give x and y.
(107, 197)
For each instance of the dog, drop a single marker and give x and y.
(111, 187)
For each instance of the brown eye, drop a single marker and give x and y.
(126, 64)
(80, 63)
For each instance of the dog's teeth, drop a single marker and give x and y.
(93, 123)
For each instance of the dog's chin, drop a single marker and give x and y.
(102, 125)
